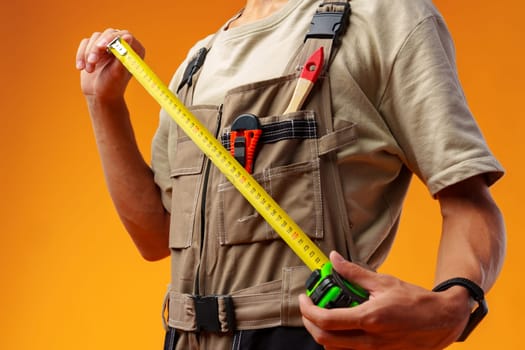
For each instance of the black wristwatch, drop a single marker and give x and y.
(476, 293)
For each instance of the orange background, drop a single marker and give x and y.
(68, 272)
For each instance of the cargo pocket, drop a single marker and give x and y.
(186, 168)
(289, 172)
(186, 172)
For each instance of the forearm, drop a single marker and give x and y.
(129, 179)
(400, 315)
(473, 237)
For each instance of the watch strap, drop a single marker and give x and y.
(477, 293)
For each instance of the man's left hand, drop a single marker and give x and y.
(398, 315)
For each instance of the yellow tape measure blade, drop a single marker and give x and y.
(265, 205)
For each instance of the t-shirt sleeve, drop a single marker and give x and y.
(426, 110)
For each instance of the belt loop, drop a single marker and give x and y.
(214, 313)
(229, 309)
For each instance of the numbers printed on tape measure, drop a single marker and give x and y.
(276, 217)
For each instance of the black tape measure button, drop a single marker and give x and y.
(322, 289)
(313, 279)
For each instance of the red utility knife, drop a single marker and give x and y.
(309, 74)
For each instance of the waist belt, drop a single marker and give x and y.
(222, 313)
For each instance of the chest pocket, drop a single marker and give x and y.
(287, 167)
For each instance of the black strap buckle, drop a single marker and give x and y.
(193, 66)
(329, 22)
(209, 315)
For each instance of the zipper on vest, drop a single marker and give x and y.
(203, 203)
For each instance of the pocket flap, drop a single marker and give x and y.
(338, 139)
(189, 160)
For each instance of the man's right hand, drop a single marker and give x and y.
(102, 76)
(103, 81)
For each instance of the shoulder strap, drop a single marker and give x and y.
(328, 25)
(191, 73)
(193, 67)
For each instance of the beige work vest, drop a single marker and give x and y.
(220, 246)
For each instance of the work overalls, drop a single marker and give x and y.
(234, 281)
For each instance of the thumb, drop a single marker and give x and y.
(353, 272)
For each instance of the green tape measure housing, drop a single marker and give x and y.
(329, 290)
